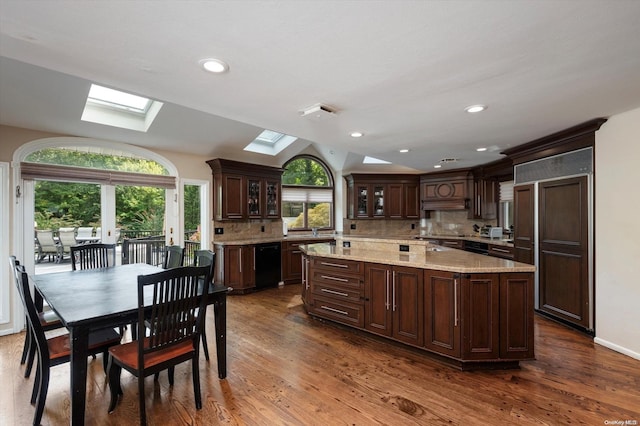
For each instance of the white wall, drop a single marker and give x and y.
(617, 277)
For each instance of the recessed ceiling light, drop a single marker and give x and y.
(357, 134)
(437, 166)
(475, 108)
(481, 149)
(214, 65)
(404, 150)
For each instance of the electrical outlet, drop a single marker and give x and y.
(404, 247)
(346, 244)
(219, 231)
(353, 226)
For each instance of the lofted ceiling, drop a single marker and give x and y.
(401, 72)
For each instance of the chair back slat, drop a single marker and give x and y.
(173, 257)
(174, 314)
(93, 256)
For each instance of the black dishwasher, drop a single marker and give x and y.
(267, 265)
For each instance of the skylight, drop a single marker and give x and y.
(270, 142)
(372, 160)
(119, 109)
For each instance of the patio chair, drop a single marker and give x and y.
(85, 234)
(91, 256)
(67, 239)
(174, 322)
(55, 350)
(47, 246)
(173, 257)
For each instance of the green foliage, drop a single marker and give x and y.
(191, 207)
(305, 171)
(140, 208)
(80, 158)
(318, 216)
(66, 204)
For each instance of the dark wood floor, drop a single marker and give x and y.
(288, 369)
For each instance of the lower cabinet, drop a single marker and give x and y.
(304, 273)
(393, 305)
(474, 319)
(336, 290)
(236, 266)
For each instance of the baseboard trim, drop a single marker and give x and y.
(617, 348)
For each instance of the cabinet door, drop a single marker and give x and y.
(249, 266)
(304, 272)
(272, 199)
(378, 200)
(233, 197)
(516, 323)
(481, 315)
(406, 306)
(291, 263)
(377, 295)
(523, 238)
(395, 200)
(441, 312)
(233, 267)
(363, 207)
(254, 198)
(411, 200)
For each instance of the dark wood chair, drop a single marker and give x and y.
(205, 258)
(169, 327)
(173, 257)
(56, 350)
(48, 321)
(93, 256)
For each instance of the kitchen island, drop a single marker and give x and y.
(470, 310)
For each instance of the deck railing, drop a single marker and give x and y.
(150, 250)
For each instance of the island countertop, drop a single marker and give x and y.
(430, 257)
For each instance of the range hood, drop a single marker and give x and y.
(446, 204)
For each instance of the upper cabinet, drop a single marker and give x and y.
(245, 191)
(380, 196)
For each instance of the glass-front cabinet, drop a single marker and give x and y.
(378, 196)
(253, 197)
(272, 194)
(378, 201)
(362, 193)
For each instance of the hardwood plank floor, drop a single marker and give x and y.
(285, 368)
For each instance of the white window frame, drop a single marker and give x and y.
(7, 281)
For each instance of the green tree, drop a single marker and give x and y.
(305, 171)
(66, 204)
(318, 217)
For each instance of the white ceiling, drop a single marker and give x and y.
(399, 71)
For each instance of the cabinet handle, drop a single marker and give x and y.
(394, 291)
(338, 293)
(304, 281)
(387, 291)
(337, 311)
(327, 277)
(337, 265)
(500, 250)
(254, 258)
(240, 261)
(455, 302)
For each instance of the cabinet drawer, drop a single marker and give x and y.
(334, 278)
(505, 252)
(344, 312)
(337, 292)
(457, 244)
(335, 265)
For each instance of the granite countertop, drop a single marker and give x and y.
(274, 239)
(431, 257)
(496, 241)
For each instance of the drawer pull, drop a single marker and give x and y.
(327, 277)
(337, 311)
(337, 293)
(336, 265)
(500, 250)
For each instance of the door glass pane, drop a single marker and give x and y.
(192, 228)
(139, 211)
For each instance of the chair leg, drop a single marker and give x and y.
(204, 344)
(105, 361)
(30, 359)
(143, 411)
(114, 383)
(36, 385)
(42, 391)
(170, 372)
(195, 371)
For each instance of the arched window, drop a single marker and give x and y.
(307, 194)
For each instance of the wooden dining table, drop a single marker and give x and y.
(94, 299)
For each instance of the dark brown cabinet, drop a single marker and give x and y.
(485, 199)
(393, 305)
(291, 260)
(516, 323)
(446, 191)
(235, 266)
(245, 191)
(374, 196)
(442, 312)
(504, 252)
(304, 273)
(336, 288)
